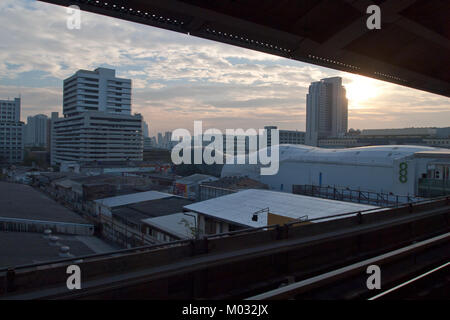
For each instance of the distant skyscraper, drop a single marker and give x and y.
(167, 139)
(160, 140)
(326, 110)
(97, 123)
(11, 131)
(36, 130)
(144, 129)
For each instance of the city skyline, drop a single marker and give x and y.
(178, 78)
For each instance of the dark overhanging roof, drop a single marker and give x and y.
(412, 48)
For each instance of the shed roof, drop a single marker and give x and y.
(132, 198)
(173, 224)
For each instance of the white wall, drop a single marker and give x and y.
(364, 177)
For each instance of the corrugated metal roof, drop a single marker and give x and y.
(173, 224)
(239, 207)
(132, 198)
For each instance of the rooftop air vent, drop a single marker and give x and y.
(64, 252)
(53, 241)
(47, 233)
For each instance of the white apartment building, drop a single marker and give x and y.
(326, 110)
(286, 136)
(36, 130)
(10, 110)
(292, 137)
(97, 123)
(11, 131)
(97, 90)
(97, 136)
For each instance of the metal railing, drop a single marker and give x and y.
(433, 187)
(351, 195)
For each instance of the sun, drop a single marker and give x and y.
(360, 90)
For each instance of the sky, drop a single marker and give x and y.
(179, 78)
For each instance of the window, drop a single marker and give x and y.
(210, 226)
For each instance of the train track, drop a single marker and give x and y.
(402, 273)
(434, 284)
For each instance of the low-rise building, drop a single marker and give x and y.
(25, 209)
(259, 208)
(227, 185)
(106, 205)
(172, 227)
(188, 187)
(26, 248)
(122, 217)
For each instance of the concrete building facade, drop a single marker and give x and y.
(97, 123)
(326, 110)
(96, 136)
(98, 90)
(36, 130)
(11, 132)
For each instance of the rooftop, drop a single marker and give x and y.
(236, 183)
(23, 202)
(108, 178)
(195, 178)
(173, 224)
(441, 154)
(132, 198)
(152, 208)
(239, 207)
(19, 248)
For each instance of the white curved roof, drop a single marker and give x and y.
(372, 155)
(361, 155)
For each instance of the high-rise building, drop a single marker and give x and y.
(97, 90)
(97, 136)
(11, 131)
(160, 140)
(144, 129)
(167, 140)
(97, 123)
(36, 131)
(10, 110)
(326, 110)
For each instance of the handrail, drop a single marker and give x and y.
(352, 195)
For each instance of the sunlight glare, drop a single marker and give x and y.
(361, 89)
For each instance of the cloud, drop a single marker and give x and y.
(179, 78)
